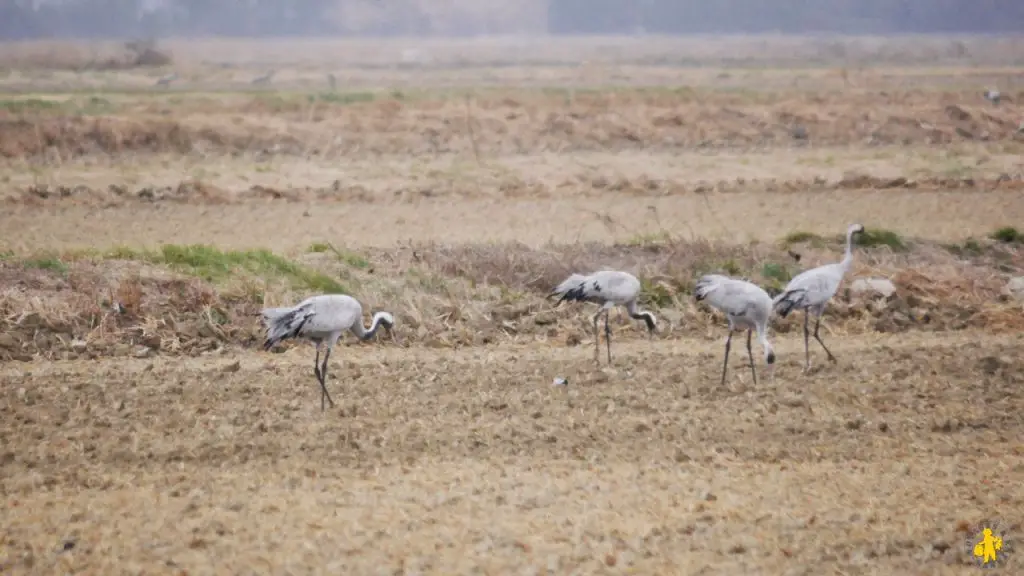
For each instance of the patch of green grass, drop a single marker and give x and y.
(970, 247)
(52, 263)
(350, 258)
(23, 105)
(655, 295)
(215, 265)
(776, 276)
(801, 237)
(1008, 234)
(873, 237)
(207, 262)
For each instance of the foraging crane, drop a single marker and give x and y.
(993, 96)
(322, 319)
(609, 288)
(812, 289)
(746, 306)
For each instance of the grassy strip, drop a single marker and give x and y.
(201, 261)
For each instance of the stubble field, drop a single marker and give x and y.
(453, 183)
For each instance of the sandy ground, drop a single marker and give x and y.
(604, 218)
(470, 461)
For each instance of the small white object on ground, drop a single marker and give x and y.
(560, 382)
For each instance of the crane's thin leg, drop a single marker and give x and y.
(608, 334)
(807, 340)
(597, 338)
(316, 363)
(750, 355)
(725, 364)
(817, 324)
(323, 381)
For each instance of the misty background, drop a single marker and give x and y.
(32, 19)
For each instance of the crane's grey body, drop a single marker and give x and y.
(746, 306)
(811, 291)
(322, 320)
(609, 288)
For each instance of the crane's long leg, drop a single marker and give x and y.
(817, 324)
(750, 355)
(323, 380)
(316, 362)
(597, 338)
(608, 333)
(807, 340)
(725, 363)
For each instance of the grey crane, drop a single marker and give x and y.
(993, 96)
(322, 319)
(609, 288)
(746, 306)
(812, 289)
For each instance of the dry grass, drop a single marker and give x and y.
(142, 431)
(90, 304)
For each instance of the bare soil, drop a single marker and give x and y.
(142, 428)
(441, 461)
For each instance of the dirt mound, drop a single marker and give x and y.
(194, 191)
(454, 296)
(114, 308)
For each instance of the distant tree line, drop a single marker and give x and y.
(21, 19)
(785, 16)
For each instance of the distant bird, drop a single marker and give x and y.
(609, 288)
(993, 96)
(812, 289)
(746, 306)
(265, 79)
(166, 80)
(322, 319)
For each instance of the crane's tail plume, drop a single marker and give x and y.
(706, 285)
(787, 301)
(570, 289)
(284, 323)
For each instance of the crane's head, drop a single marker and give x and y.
(855, 229)
(650, 321)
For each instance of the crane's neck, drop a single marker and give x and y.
(848, 257)
(379, 319)
(637, 314)
(762, 336)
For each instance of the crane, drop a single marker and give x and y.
(811, 291)
(322, 319)
(746, 306)
(609, 288)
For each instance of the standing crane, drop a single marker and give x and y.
(322, 319)
(609, 288)
(746, 306)
(812, 289)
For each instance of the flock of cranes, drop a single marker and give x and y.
(325, 318)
